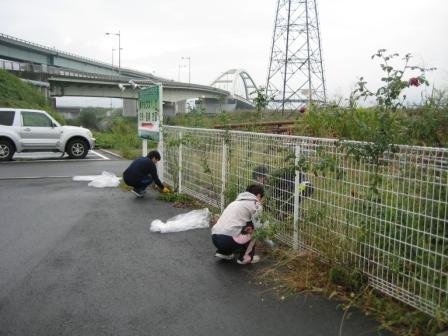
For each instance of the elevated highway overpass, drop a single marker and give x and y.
(72, 75)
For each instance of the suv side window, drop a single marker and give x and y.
(6, 118)
(35, 119)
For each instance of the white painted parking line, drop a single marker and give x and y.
(34, 177)
(112, 153)
(100, 155)
(49, 160)
(54, 157)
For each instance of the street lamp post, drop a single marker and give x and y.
(189, 68)
(119, 49)
(180, 67)
(113, 51)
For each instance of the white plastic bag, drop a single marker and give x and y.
(195, 219)
(104, 180)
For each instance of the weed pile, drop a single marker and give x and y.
(182, 201)
(288, 272)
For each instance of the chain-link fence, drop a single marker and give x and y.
(383, 212)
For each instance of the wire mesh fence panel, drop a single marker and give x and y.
(384, 214)
(172, 151)
(257, 158)
(195, 159)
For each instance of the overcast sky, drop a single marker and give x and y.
(220, 35)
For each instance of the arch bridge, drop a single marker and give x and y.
(238, 82)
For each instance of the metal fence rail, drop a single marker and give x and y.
(386, 215)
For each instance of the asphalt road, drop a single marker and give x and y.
(76, 260)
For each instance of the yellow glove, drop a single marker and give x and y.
(165, 190)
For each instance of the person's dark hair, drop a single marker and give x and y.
(154, 154)
(259, 172)
(255, 189)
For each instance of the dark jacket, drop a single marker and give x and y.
(139, 170)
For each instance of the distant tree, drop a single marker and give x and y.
(261, 100)
(88, 119)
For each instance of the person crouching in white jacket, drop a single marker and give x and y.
(232, 233)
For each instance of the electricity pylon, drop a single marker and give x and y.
(296, 73)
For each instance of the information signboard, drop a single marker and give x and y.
(149, 112)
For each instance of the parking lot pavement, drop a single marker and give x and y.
(76, 260)
(64, 168)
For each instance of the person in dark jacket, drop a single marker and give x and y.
(142, 172)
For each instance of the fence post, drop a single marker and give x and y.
(179, 179)
(223, 173)
(295, 241)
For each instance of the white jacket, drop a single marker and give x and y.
(245, 208)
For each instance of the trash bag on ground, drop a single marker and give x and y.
(195, 219)
(105, 180)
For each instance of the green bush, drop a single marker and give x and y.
(88, 119)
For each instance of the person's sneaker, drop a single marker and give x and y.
(137, 194)
(224, 256)
(246, 261)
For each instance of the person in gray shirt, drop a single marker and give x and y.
(232, 233)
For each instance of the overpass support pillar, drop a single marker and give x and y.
(180, 107)
(129, 107)
(169, 108)
(52, 102)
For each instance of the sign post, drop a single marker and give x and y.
(150, 117)
(150, 114)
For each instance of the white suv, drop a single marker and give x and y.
(24, 130)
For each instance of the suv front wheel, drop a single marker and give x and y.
(7, 150)
(77, 149)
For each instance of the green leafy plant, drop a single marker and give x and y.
(390, 98)
(261, 100)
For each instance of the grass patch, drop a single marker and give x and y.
(18, 94)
